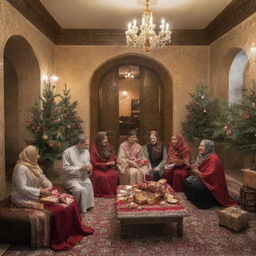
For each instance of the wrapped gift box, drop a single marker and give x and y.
(249, 178)
(50, 200)
(233, 218)
(248, 198)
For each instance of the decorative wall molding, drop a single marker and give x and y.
(91, 37)
(117, 37)
(36, 13)
(236, 12)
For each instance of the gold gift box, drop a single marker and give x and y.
(249, 178)
(233, 218)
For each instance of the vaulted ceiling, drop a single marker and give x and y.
(103, 22)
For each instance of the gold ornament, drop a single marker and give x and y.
(59, 134)
(45, 137)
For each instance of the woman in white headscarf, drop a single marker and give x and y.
(29, 184)
(28, 180)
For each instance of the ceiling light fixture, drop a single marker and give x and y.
(129, 76)
(124, 96)
(147, 38)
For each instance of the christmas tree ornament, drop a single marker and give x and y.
(246, 116)
(45, 137)
(228, 133)
(51, 143)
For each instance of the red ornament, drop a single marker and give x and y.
(225, 128)
(51, 144)
(228, 133)
(58, 145)
(246, 116)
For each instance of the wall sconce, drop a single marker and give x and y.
(124, 96)
(50, 79)
(253, 52)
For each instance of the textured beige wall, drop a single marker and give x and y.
(75, 65)
(13, 23)
(223, 51)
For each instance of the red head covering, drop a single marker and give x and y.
(179, 149)
(98, 151)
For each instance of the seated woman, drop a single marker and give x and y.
(29, 184)
(178, 163)
(104, 174)
(131, 163)
(155, 152)
(207, 186)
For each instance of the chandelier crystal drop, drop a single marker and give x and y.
(146, 36)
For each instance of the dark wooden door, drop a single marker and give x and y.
(150, 104)
(109, 110)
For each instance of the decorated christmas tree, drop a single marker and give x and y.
(241, 128)
(202, 114)
(53, 123)
(70, 124)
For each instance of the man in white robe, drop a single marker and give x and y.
(77, 169)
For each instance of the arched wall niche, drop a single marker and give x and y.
(236, 77)
(21, 91)
(139, 60)
(227, 61)
(230, 65)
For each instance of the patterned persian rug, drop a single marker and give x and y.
(202, 236)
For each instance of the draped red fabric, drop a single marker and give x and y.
(212, 175)
(176, 177)
(180, 155)
(179, 151)
(104, 177)
(66, 226)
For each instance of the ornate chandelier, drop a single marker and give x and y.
(147, 38)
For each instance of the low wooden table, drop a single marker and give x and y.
(151, 214)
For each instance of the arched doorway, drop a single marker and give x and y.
(106, 76)
(21, 90)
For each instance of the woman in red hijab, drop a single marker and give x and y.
(207, 186)
(178, 163)
(104, 175)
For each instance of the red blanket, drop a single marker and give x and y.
(66, 226)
